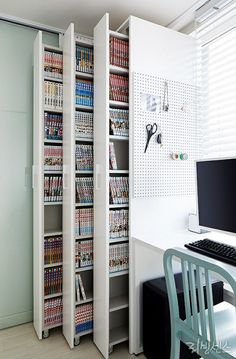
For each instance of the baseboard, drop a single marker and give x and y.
(16, 319)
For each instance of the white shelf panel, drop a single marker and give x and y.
(53, 265)
(117, 240)
(53, 141)
(118, 104)
(119, 335)
(52, 326)
(81, 139)
(53, 172)
(54, 110)
(83, 205)
(52, 203)
(118, 70)
(119, 171)
(48, 78)
(83, 107)
(83, 333)
(118, 273)
(83, 237)
(118, 35)
(52, 296)
(83, 172)
(118, 138)
(83, 75)
(118, 205)
(52, 233)
(52, 48)
(83, 269)
(89, 299)
(117, 303)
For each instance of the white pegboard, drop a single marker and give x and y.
(155, 173)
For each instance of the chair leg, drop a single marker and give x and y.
(175, 346)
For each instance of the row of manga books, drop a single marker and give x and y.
(119, 52)
(53, 95)
(84, 157)
(52, 188)
(83, 222)
(119, 122)
(53, 311)
(119, 88)
(84, 59)
(112, 157)
(83, 253)
(84, 189)
(83, 124)
(119, 190)
(52, 158)
(118, 257)
(83, 318)
(53, 64)
(119, 223)
(84, 93)
(52, 280)
(52, 250)
(53, 126)
(80, 293)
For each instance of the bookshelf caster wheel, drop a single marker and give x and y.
(76, 342)
(45, 334)
(110, 349)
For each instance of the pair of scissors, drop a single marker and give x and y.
(151, 129)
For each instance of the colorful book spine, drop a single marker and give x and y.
(119, 88)
(53, 129)
(84, 59)
(83, 253)
(53, 65)
(119, 223)
(52, 250)
(84, 190)
(119, 122)
(53, 95)
(52, 280)
(119, 52)
(52, 188)
(84, 93)
(119, 190)
(83, 222)
(84, 157)
(83, 317)
(83, 124)
(53, 311)
(118, 257)
(52, 158)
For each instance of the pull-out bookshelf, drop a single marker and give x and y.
(47, 187)
(111, 198)
(78, 187)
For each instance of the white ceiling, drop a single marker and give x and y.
(86, 13)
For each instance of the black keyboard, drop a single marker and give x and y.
(216, 250)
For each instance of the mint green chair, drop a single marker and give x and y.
(211, 332)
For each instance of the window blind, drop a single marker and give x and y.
(216, 69)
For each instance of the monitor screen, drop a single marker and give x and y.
(216, 191)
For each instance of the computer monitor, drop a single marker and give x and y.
(216, 194)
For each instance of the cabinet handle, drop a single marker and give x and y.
(97, 177)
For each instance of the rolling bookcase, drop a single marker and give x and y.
(78, 187)
(111, 274)
(47, 187)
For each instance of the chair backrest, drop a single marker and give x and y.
(195, 274)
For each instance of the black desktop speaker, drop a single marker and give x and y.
(156, 317)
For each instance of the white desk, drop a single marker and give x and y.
(147, 263)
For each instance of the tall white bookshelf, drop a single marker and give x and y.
(47, 216)
(71, 203)
(111, 288)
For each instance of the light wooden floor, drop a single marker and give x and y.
(21, 343)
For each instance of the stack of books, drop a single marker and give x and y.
(119, 122)
(84, 59)
(83, 317)
(52, 126)
(53, 310)
(84, 190)
(84, 157)
(119, 88)
(118, 257)
(53, 95)
(119, 223)
(83, 125)
(119, 52)
(52, 280)
(53, 65)
(80, 293)
(119, 190)
(84, 93)
(52, 250)
(52, 188)
(84, 253)
(83, 222)
(53, 158)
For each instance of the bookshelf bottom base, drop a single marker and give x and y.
(119, 335)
